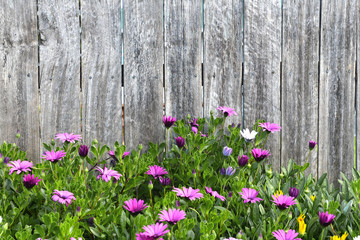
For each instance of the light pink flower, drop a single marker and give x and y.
(281, 235)
(154, 231)
(63, 197)
(156, 171)
(106, 174)
(250, 195)
(172, 216)
(134, 205)
(20, 166)
(68, 137)
(271, 127)
(227, 111)
(190, 193)
(215, 194)
(54, 156)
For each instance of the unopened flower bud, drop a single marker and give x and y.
(18, 134)
(150, 185)
(95, 141)
(83, 150)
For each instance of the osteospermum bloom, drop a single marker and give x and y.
(312, 144)
(271, 127)
(180, 141)
(165, 181)
(343, 237)
(282, 235)
(259, 154)
(229, 171)
(63, 197)
(20, 166)
(250, 195)
(326, 218)
(227, 111)
(293, 192)
(168, 121)
(53, 156)
(155, 230)
(356, 238)
(227, 151)
(243, 160)
(215, 194)
(68, 137)
(248, 135)
(302, 225)
(156, 171)
(30, 181)
(83, 150)
(106, 174)
(190, 193)
(283, 201)
(134, 205)
(172, 215)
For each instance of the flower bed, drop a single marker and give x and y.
(213, 185)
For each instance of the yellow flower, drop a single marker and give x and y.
(302, 225)
(279, 193)
(343, 237)
(313, 197)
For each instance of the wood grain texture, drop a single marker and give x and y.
(19, 100)
(262, 56)
(223, 56)
(101, 70)
(183, 90)
(143, 72)
(357, 146)
(299, 106)
(59, 67)
(337, 88)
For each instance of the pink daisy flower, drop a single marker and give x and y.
(259, 154)
(20, 166)
(134, 205)
(250, 195)
(168, 121)
(156, 171)
(68, 137)
(227, 111)
(190, 193)
(106, 174)
(154, 231)
(172, 216)
(283, 201)
(271, 127)
(326, 218)
(281, 235)
(53, 156)
(30, 181)
(63, 197)
(215, 194)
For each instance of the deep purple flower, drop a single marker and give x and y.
(172, 216)
(271, 127)
(177, 203)
(293, 192)
(78, 209)
(250, 195)
(243, 160)
(6, 160)
(134, 205)
(190, 193)
(230, 194)
(281, 235)
(215, 194)
(326, 218)
(227, 111)
(168, 121)
(20, 166)
(53, 156)
(227, 151)
(106, 174)
(259, 154)
(63, 197)
(154, 231)
(180, 141)
(30, 181)
(156, 171)
(83, 150)
(90, 221)
(312, 144)
(193, 171)
(222, 171)
(68, 137)
(283, 201)
(165, 181)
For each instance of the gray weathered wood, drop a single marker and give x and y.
(183, 91)
(223, 56)
(337, 88)
(19, 100)
(262, 56)
(299, 88)
(101, 70)
(59, 67)
(143, 72)
(357, 146)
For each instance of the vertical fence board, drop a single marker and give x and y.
(299, 91)
(357, 147)
(143, 72)
(183, 91)
(19, 100)
(59, 67)
(223, 56)
(337, 88)
(262, 56)
(101, 70)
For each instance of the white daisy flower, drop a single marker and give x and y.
(357, 238)
(248, 135)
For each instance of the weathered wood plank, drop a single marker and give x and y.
(337, 88)
(357, 146)
(143, 72)
(59, 67)
(223, 56)
(183, 91)
(299, 101)
(262, 56)
(101, 70)
(19, 100)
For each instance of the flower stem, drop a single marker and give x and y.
(265, 140)
(322, 234)
(257, 170)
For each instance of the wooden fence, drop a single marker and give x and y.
(70, 65)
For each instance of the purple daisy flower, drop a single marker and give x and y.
(30, 181)
(243, 160)
(180, 141)
(165, 181)
(190, 193)
(156, 171)
(293, 192)
(227, 151)
(20, 166)
(312, 144)
(215, 194)
(168, 121)
(227, 111)
(63, 197)
(53, 156)
(68, 137)
(6, 160)
(326, 218)
(172, 215)
(271, 127)
(83, 150)
(283, 201)
(194, 125)
(154, 231)
(134, 205)
(259, 154)
(230, 171)
(250, 195)
(281, 235)
(106, 174)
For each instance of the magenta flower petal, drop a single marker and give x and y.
(168, 121)
(155, 230)
(227, 111)
(156, 171)
(283, 201)
(172, 215)
(326, 218)
(134, 205)
(190, 193)
(68, 137)
(30, 181)
(289, 235)
(63, 197)
(20, 166)
(54, 156)
(259, 154)
(250, 195)
(271, 127)
(106, 174)
(215, 194)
